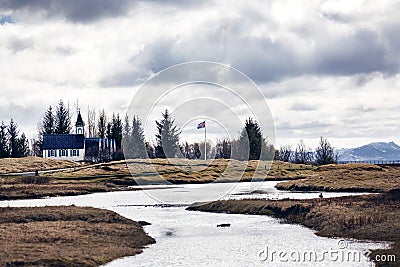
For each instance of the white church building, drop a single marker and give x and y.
(76, 146)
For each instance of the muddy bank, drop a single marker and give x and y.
(67, 236)
(25, 187)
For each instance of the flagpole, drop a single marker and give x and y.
(205, 141)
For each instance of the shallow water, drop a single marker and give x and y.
(190, 238)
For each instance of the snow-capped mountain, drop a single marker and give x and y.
(373, 151)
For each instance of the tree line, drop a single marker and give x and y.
(130, 140)
(12, 145)
(323, 154)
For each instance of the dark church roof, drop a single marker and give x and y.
(79, 121)
(63, 141)
(92, 147)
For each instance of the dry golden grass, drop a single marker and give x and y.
(67, 236)
(30, 164)
(187, 171)
(373, 217)
(114, 175)
(348, 177)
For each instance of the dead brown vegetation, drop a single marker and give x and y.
(347, 177)
(67, 236)
(30, 164)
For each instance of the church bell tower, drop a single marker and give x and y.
(79, 125)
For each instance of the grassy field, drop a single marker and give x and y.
(366, 217)
(185, 171)
(117, 175)
(67, 236)
(348, 177)
(30, 164)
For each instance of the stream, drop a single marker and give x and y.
(191, 238)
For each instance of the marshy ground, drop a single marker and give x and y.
(67, 236)
(367, 217)
(373, 217)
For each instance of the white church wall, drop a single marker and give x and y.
(80, 154)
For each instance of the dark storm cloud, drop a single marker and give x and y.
(264, 60)
(86, 11)
(362, 52)
(75, 11)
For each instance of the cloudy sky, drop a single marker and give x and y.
(326, 68)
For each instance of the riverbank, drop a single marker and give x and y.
(119, 175)
(366, 217)
(81, 179)
(67, 236)
(25, 187)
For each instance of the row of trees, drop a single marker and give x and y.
(324, 153)
(130, 139)
(11, 143)
(250, 145)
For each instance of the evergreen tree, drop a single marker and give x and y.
(23, 146)
(62, 119)
(127, 143)
(137, 139)
(116, 131)
(325, 153)
(13, 142)
(251, 139)
(108, 130)
(167, 137)
(102, 124)
(46, 125)
(4, 151)
(47, 122)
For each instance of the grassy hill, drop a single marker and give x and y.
(184, 171)
(29, 164)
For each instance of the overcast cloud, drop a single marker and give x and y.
(326, 67)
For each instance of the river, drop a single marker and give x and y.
(191, 238)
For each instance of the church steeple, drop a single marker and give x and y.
(79, 125)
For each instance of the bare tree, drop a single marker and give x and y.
(303, 154)
(92, 129)
(285, 153)
(325, 153)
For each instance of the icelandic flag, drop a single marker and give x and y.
(201, 125)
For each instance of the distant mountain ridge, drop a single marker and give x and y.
(373, 151)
